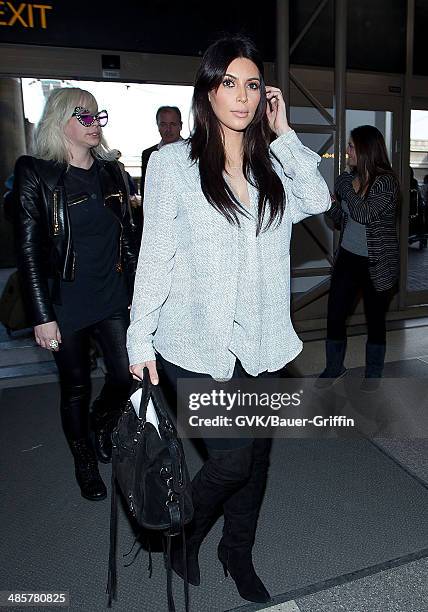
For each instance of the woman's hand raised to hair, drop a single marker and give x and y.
(137, 371)
(276, 111)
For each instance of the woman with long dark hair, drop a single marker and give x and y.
(212, 296)
(77, 258)
(367, 259)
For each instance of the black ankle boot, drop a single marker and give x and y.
(102, 444)
(103, 420)
(86, 470)
(239, 564)
(335, 351)
(375, 360)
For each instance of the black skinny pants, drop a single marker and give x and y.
(74, 366)
(350, 277)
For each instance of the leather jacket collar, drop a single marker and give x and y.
(51, 174)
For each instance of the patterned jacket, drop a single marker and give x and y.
(377, 210)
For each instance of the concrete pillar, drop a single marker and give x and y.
(12, 139)
(29, 134)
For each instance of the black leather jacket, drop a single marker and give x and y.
(44, 241)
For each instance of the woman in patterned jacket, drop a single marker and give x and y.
(367, 260)
(212, 292)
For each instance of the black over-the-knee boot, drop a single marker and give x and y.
(241, 513)
(222, 474)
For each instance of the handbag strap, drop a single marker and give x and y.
(176, 514)
(154, 393)
(186, 581)
(177, 461)
(175, 517)
(111, 589)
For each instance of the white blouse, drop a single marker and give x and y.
(207, 291)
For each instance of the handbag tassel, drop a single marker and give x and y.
(171, 605)
(112, 569)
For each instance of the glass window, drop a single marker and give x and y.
(417, 263)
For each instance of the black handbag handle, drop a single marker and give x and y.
(145, 386)
(150, 391)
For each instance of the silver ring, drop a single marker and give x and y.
(53, 344)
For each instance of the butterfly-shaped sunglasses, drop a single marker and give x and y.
(87, 118)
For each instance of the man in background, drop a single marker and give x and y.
(168, 119)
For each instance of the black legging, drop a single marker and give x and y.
(351, 276)
(74, 366)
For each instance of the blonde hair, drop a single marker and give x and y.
(49, 141)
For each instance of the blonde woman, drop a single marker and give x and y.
(77, 260)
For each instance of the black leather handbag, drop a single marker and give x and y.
(149, 469)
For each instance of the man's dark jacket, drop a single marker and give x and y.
(145, 156)
(44, 241)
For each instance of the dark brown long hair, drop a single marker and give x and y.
(372, 156)
(207, 145)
